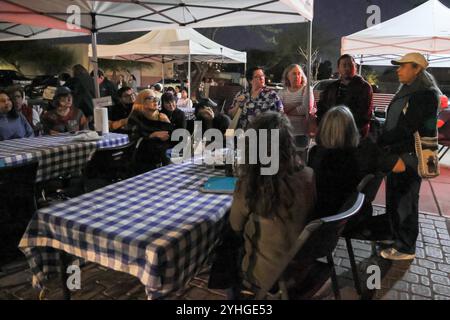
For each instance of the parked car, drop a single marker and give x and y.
(12, 77)
(38, 85)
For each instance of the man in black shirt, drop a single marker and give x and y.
(176, 116)
(118, 113)
(352, 91)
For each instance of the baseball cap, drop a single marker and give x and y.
(61, 91)
(413, 57)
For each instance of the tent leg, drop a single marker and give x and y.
(360, 65)
(309, 59)
(189, 76)
(162, 71)
(245, 76)
(95, 64)
(94, 56)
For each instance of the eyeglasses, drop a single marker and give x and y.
(259, 77)
(155, 99)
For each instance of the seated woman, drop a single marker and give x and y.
(146, 121)
(169, 108)
(270, 211)
(64, 117)
(340, 161)
(17, 95)
(206, 112)
(13, 125)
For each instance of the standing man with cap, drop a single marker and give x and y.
(413, 108)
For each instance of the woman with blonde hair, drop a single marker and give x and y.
(145, 121)
(340, 160)
(295, 98)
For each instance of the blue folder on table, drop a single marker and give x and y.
(219, 185)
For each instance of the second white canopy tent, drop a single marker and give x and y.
(173, 45)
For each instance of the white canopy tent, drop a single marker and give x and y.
(24, 19)
(425, 29)
(171, 45)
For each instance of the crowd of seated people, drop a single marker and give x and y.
(269, 212)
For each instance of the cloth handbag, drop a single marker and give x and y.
(427, 154)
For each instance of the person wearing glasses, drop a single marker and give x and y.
(258, 99)
(118, 114)
(146, 121)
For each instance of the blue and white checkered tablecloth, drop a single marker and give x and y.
(57, 155)
(157, 226)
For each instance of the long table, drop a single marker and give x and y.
(156, 226)
(57, 155)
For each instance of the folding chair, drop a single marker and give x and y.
(317, 240)
(108, 165)
(357, 228)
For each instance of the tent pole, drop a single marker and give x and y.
(360, 65)
(94, 55)
(162, 71)
(189, 75)
(308, 92)
(245, 76)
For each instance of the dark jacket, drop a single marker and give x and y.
(421, 116)
(108, 88)
(339, 171)
(358, 99)
(83, 92)
(177, 118)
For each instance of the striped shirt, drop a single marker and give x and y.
(296, 108)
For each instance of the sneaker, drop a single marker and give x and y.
(393, 254)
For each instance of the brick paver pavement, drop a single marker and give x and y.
(427, 277)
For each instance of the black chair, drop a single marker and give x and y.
(17, 204)
(365, 226)
(317, 240)
(108, 165)
(149, 154)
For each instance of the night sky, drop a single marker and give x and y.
(332, 20)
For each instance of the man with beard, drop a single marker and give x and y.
(118, 113)
(350, 90)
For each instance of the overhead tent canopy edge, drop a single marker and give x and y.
(424, 29)
(22, 16)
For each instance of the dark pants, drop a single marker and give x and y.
(402, 204)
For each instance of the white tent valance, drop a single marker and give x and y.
(425, 29)
(130, 15)
(25, 19)
(171, 46)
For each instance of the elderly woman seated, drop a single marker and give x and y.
(147, 122)
(64, 117)
(13, 125)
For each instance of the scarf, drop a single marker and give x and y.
(424, 81)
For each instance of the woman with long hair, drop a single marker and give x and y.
(295, 98)
(13, 125)
(270, 211)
